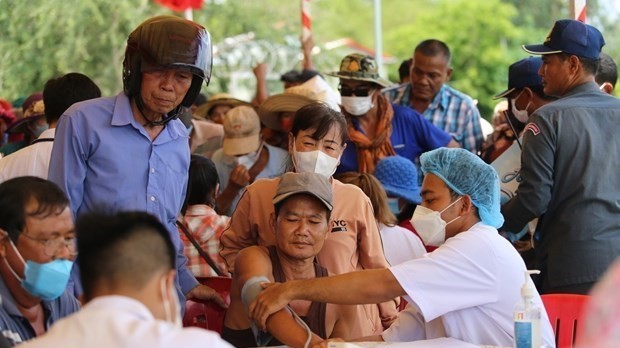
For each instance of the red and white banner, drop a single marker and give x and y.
(578, 10)
(306, 19)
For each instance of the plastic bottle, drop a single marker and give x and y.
(527, 316)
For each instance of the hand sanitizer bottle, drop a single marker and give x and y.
(527, 316)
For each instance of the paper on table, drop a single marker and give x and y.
(443, 342)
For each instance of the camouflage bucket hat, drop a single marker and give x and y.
(360, 67)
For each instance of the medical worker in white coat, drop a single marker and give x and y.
(466, 289)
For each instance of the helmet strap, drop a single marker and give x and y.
(150, 123)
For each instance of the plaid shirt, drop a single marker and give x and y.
(206, 227)
(451, 110)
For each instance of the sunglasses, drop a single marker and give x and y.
(362, 91)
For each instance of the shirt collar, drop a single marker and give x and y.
(8, 302)
(440, 100)
(48, 134)
(584, 87)
(122, 115)
(199, 209)
(123, 303)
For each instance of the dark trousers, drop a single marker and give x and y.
(582, 288)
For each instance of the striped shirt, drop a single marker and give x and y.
(450, 110)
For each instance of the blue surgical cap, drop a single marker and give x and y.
(466, 174)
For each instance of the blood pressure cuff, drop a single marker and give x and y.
(249, 292)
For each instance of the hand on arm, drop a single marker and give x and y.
(252, 263)
(373, 286)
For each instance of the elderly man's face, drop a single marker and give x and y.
(162, 89)
(428, 74)
(301, 227)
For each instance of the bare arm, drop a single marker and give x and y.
(307, 45)
(371, 286)
(346, 317)
(254, 262)
(260, 72)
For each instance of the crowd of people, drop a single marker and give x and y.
(374, 212)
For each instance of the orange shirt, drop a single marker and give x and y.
(353, 244)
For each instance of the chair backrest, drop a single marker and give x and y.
(564, 311)
(206, 314)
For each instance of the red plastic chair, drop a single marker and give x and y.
(402, 305)
(564, 311)
(206, 314)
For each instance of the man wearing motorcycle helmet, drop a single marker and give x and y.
(129, 151)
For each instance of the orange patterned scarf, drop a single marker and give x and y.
(369, 152)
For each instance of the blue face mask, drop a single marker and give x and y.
(393, 204)
(47, 281)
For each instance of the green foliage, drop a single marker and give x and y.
(42, 39)
(482, 38)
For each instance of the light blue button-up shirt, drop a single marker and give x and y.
(103, 156)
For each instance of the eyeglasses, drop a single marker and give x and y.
(52, 246)
(362, 91)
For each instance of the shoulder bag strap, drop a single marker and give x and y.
(202, 253)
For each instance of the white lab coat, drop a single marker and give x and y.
(400, 244)
(466, 289)
(118, 321)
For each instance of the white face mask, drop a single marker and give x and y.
(314, 162)
(429, 224)
(247, 160)
(171, 310)
(521, 115)
(357, 106)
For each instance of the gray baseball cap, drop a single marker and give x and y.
(309, 183)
